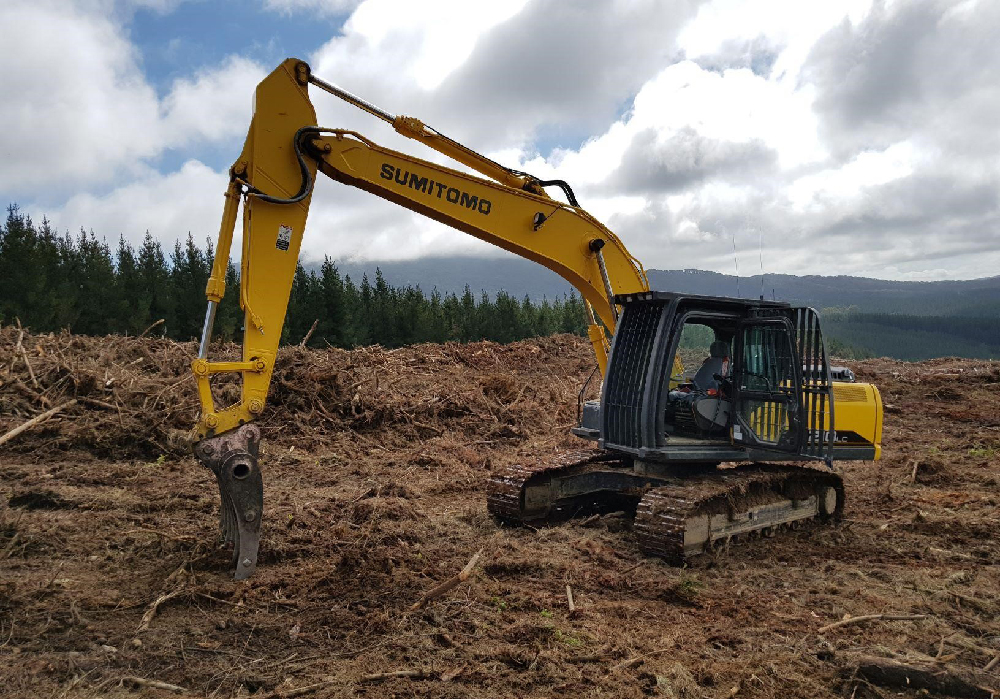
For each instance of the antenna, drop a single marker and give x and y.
(760, 248)
(736, 259)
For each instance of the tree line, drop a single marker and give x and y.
(50, 281)
(914, 338)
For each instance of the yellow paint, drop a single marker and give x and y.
(519, 217)
(268, 164)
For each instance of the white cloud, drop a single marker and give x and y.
(214, 105)
(86, 118)
(439, 34)
(320, 7)
(69, 117)
(847, 183)
(864, 128)
(792, 25)
(168, 206)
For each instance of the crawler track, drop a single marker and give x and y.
(694, 514)
(505, 497)
(676, 517)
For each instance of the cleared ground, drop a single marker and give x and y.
(374, 472)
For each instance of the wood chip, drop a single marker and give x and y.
(992, 664)
(449, 675)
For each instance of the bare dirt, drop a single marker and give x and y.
(375, 464)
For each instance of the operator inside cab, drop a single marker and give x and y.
(699, 405)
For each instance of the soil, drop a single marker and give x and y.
(375, 465)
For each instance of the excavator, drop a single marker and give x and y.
(743, 446)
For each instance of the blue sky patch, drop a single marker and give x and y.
(201, 33)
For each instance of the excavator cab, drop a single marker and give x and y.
(748, 394)
(696, 455)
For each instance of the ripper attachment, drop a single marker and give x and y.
(232, 457)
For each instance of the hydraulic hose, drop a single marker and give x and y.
(307, 180)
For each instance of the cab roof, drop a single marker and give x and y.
(711, 302)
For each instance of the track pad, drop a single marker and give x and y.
(233, 458)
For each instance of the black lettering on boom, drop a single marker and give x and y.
(425, 185)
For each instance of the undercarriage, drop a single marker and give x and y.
(680, 510)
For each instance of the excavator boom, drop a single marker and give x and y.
(274, 176)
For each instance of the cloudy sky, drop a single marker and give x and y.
(852, 137)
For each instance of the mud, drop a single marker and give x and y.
(375, 464)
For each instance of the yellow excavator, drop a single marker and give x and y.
(698, 457)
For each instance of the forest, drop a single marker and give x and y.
(910, 337)
(53, 281)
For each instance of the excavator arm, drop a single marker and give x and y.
(274, 178)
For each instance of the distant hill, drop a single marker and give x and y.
(965, 298)
(514, 275)
(867, 317)
(519, 277)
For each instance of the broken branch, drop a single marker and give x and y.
(147, 618)
(312, 329)
(871, 617)
(98, 403)
(450, 583)
(569, 599)
(155, 684)
(382, 676)
(24, 355)
(159, 322)
(36, 420)
(299, 691)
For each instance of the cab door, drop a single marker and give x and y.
(767, 386)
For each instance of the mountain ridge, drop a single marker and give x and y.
(520, 277)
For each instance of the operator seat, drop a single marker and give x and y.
(700, 399)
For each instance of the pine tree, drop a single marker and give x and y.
(96, 299)
(228, 316)
(468, 318)
(54, 282)
(132, 310)
(157, 290)
(21, 281)
(380, 321)
(506, 326)
(333, 326)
